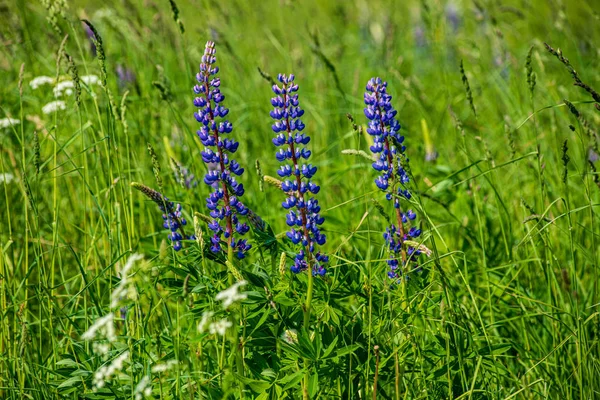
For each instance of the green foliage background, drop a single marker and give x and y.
(507, 305)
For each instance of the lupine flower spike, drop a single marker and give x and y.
(303, 216)
(172, 218)
(393, 179)
(224, 202)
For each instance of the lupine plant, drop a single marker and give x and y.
(173, 219)
(224, 202)
(393, 179)
(303, 216)
(507, 304)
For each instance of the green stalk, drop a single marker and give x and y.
(309, 296)
(239, 361)
(307, 309)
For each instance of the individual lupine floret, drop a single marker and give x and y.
(393, 179)
(303, 215)
(224, 202)
(184, 176)
(173, 219)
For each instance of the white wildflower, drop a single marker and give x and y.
(143, 388)
(104, 326)
(40, 80)
(90, 79)
(204, 321)
(106, 372)
(101, 348)
(54, 106)
(290, 336)
(220, 327)
(121, 290)
(163, 367)
(231, 295)
(64, 87)
(8, 122)
(6, 177)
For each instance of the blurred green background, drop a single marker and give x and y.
(516, 254)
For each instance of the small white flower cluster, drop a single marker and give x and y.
(6, 177)
(143, 388)
(61, 88)
(206, 316)
(231, 295)
(64, 87)
(40, 80)
(124, 286)
(54, 106)
(219, 327)
(163, 367)
(103, 326)
(106, 372)
(228, 296)
(8, 122)
(90, 80)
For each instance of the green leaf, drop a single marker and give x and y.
(331, 347)
(313, 385)
(71, 382)
(291, 380)
(347, 350)
(494, 349)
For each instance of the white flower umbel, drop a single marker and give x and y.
(220, 327)
(106, 372)
(143, 388)
(54, 106)
(40, 80)
(6, 177)
(90, 79)
(103, 326)
(101, 348)
(163, 367)
(8, 122)
(204, 321)
(231, 295)
(120, 291)
(64, 87)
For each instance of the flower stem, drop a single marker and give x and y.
(307, 309)
(239, 360)
(309, 296)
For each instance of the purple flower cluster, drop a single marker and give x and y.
(172, 218)
(303, 216)
(393, 178)
(185, 177)
(224, 202)
(91, 38)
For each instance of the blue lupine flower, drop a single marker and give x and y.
(224, 202)
(126, 77)
(393, 178)
(173, 220)
(184, 176)
(303, 216)
(91, 38)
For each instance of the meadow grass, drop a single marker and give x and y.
(503, 155)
